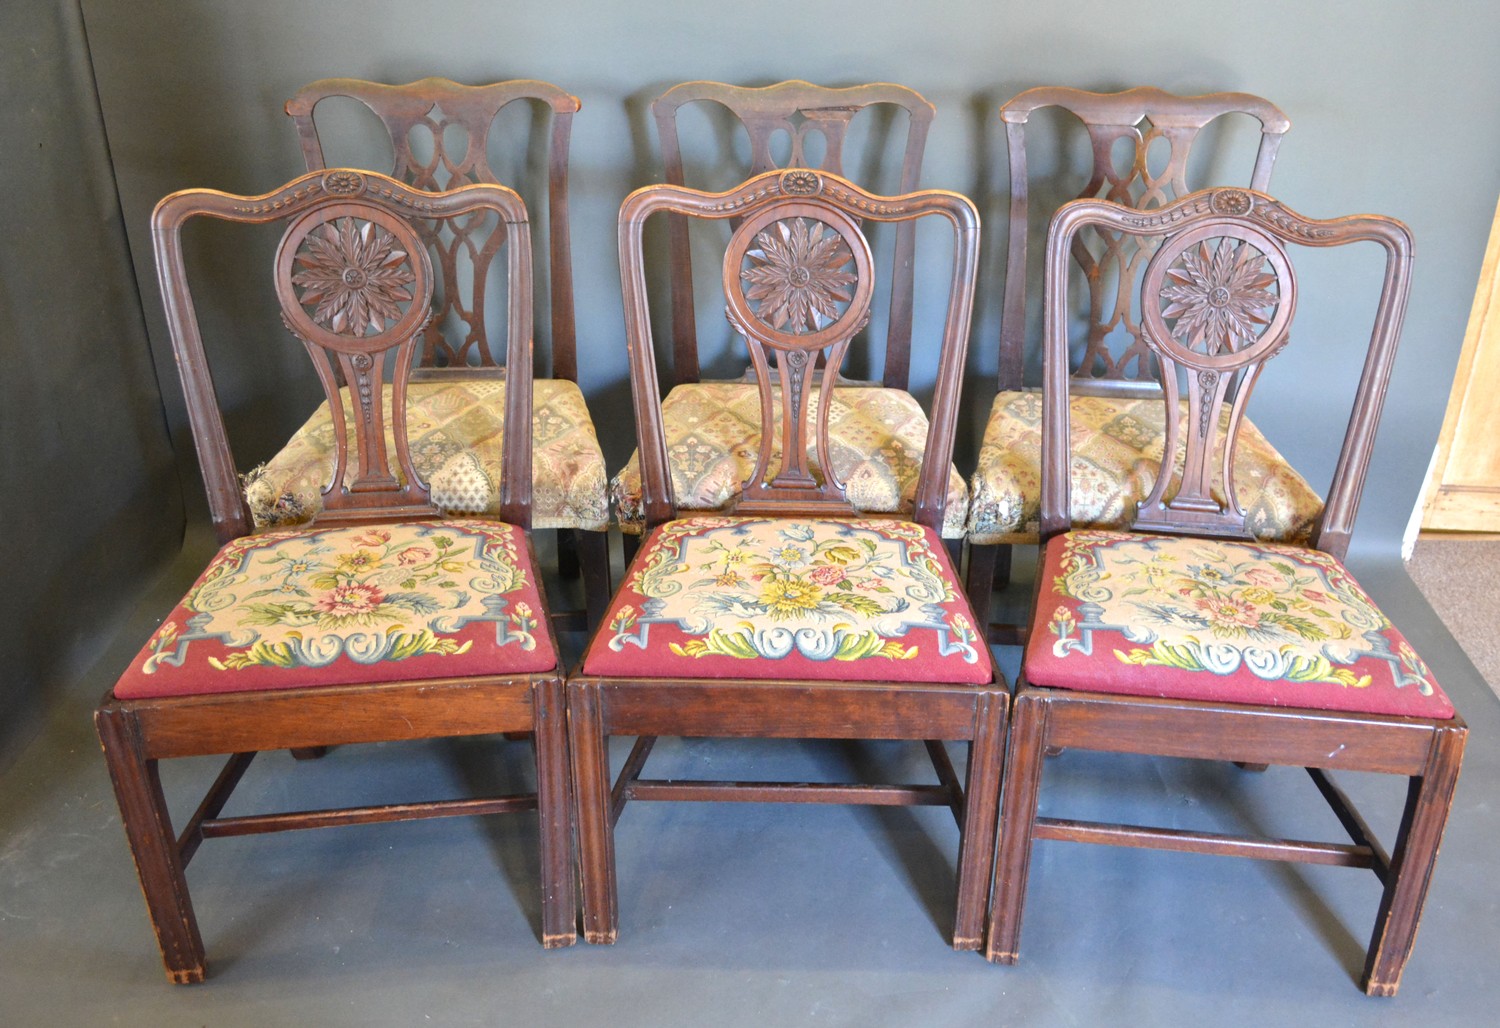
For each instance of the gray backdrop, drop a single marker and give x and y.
(1391, 110)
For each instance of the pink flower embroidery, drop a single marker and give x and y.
(827, 574)
(1260, 576)
(413, 555)
(374, 537)
(350, 601)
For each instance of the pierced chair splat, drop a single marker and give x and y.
(376, 622)
(791, 614)
(1140, 142)
(441, 135)
(1183, 635)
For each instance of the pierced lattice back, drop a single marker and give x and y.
(1151, 123)
(801, 111)
(440, 134)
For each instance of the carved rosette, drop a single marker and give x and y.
(343, 183)
(354, 276)
(1219, 299)
(1233, 202)
(795, 278)
(801, 182)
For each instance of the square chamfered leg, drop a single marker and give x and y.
(554, 813)
(595, 820)
(976, 850)
(1024, 759)
(1429, 798)
(153, 844)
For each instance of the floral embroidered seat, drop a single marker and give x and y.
(456, 436)
(876, 440)
(295, 609)
(1116, 445)
(1215, 619)
(782, 599)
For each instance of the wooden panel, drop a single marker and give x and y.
(778, 710)
(1464, 495)
(336, 716)
(1172, 728)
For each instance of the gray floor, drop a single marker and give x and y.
(731, 914)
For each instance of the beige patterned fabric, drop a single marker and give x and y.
(1117, 446)
(876, 438)
(456, 436)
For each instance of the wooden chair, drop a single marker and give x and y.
(440, 134)
(1184, 636)
(791, 616)
(876, 432)
(376, 622)
(1140, 142)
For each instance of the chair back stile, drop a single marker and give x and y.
(799, 110)
(355, 285)
(798, 279)
(429, 110)
(1217, 299)
(1142, 116)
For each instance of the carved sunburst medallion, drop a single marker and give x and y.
(1220, 299)
(356, 274)
(796, 280)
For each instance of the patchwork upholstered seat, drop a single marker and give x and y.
(289, 610)
(1220, 620)
(783, 599)
(456, 433)
(876, 441)
(1117, 445)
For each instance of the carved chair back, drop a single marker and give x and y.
(801, 111)
(354, 283)
(1160, 130)
(798, 276)
(1217, 299)
(440, 134)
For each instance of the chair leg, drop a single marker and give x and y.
(976, 847)
(1023, 779)
(596, 833)
(629, 544)
(1428, 800)
(1002, 565)
(148, 829)
(567, 553)
(593, 550)
(554, 812)
(979, 583)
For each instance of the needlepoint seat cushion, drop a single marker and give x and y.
(456, 433)
(1220, 620)
(876, 440)
(339, 606)
(776, 598)
(1117, 447)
